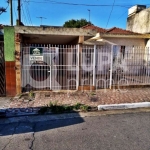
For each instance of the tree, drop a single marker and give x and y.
(76, 23)
(2, 9)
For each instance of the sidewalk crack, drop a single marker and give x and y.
(33, 134)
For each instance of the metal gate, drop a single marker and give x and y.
(96, 63)
(2, 71)
(56, 68)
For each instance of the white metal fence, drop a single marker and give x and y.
(65, 67)
(58, 69)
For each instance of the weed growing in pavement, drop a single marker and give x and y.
(56, 108)
(85, 108)
(77, 106)
(31, 94)
(92, 93)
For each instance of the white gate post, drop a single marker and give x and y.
(111, 63)
(77, 66)
(94, 64)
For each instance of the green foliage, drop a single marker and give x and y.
(76, 23)
(55, 108)
(84, 108)
(2, 9)
(31, 94)
(77, 106)
(92, 93)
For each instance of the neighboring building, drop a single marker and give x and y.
(139, 19)
(118, 36)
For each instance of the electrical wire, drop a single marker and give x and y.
(110, 13)
(14, 10)
(122, 14)
(28, 13)
(25, 19)
(76, 4)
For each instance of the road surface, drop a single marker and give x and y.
(108, 132)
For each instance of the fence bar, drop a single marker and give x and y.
(111, 62)
(78, 66)
(94, 64)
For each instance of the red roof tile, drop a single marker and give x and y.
(116, 30)
(113, 30)
(98, 29)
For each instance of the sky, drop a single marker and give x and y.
(103, 13)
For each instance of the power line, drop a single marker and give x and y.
(77, 4)
(110, 13)
(14, 9)
(122, 14)
(28, 13)
(25, 19)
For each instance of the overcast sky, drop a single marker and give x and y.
(103, 13)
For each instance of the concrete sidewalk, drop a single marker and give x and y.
(23, 105)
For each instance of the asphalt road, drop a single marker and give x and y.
(109, 132)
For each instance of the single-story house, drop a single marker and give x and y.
(57, 58)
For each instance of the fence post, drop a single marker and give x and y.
(94, 64)
(77, 69)
(111, 63)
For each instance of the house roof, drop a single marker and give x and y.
(116, 30)
(98, 29)
(113, 30)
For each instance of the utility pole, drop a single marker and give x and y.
(11, 13)
(41, 19)
(89, 14)
(19, 12)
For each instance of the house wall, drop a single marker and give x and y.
(148, 43)
(127, 41)
(9, 49)
(139, 22)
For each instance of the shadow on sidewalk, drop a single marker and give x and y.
(37, 123)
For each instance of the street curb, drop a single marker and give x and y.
(52, 117)
(124, 106)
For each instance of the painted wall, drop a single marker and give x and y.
(10, 72)
(127, 41)
(148, 43)
(139, 22)
(9, 43)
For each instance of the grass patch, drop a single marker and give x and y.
(57, 109)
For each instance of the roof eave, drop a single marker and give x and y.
(142, 36)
